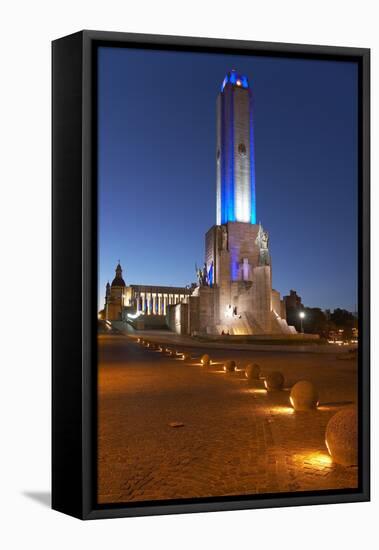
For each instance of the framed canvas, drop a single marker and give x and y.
(210, 275)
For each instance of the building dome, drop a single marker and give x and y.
(118, 280)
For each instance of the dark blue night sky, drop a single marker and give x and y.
(157, 177)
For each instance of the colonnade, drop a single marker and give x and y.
(156, 303)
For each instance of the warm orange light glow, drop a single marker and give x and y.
(321, 459)
(316, 459)
(291, 400)
(282, 410)
(327, 446)
(216, 372)
(258, 391)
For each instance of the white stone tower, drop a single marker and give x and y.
(235, 152)
(235, 295)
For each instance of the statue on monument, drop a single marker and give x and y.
(224, 235)
(202, 275)
(262, 241)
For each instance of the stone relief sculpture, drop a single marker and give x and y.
(262, 241)
(224, 239)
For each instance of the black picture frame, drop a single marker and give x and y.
(74, 272)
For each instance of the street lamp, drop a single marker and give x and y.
(301, 315)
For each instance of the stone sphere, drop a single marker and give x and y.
(230, 366)
(252, 371)
(205, 360)
(341, 437)
(274, 381)
(304, 396)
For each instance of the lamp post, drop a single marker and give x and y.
(301, 315)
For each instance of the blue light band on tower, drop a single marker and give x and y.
(235, 152)
(252, 164)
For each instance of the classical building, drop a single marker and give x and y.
(127, 303)
(234, 294)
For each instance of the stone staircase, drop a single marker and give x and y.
(247, 324)
(238, 326)
(280, 325)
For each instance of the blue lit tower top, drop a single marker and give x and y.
(235, 151)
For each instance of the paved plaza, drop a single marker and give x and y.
(172, 429)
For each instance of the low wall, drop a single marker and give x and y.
(177, 318)
(280, 338)
(145, 322)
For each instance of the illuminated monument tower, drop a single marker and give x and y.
(235, 152)
(235, 292)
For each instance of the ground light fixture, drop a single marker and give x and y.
(205, 360)
(304, 396)
(274, 381)
(252, 371)
(341, 437)
(230, 366)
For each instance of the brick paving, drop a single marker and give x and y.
(231, 439)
